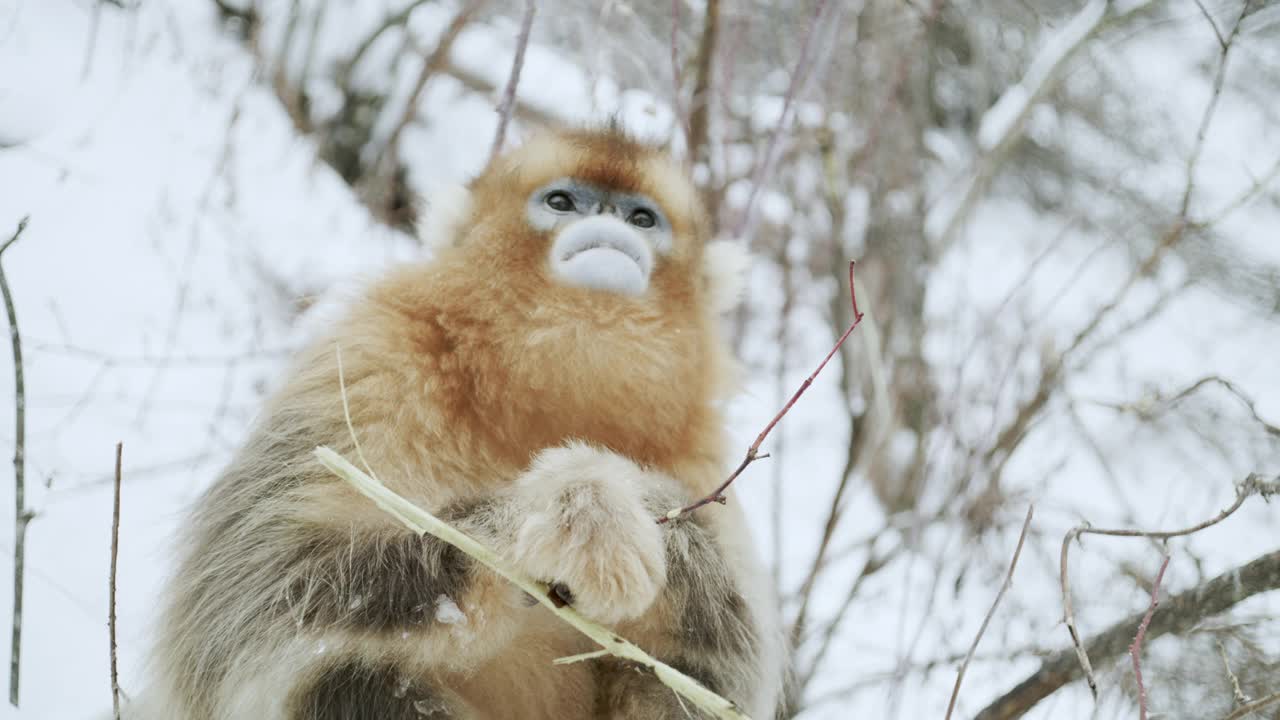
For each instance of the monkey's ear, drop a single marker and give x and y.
(448, 209)
(724, 269)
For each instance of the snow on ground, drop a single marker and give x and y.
(175, 217)
(172, 215)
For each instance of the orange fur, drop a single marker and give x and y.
(514, 362)
(461, 373)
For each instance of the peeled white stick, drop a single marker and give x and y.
(423, 522)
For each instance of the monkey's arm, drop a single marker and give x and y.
(671, 588)
(298, 599)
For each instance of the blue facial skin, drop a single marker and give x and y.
(591, 200)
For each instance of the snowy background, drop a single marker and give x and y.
(190, 225)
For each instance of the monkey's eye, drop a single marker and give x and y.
(642, 218)
(560, 201)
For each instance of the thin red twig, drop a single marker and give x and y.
(1135, 649)
(753, 452)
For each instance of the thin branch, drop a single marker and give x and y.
(477, 83)
(1135, 648)
(1216, 32)
(873, 355)
(309, 56)
(765, 167)
(1207, 117)
(676, 102)
(1009, 437)
(1180, 613)
(873, 564)
(431, 64)
(1256, 188)
(111, 590)
(21, 515)
(753, 452)
(95, 19)
(347, 68)
(1236, 693)
(423, 522)
(1252, 485)
(1146, 411)
(1253, 707)
(1089, 21)
(509, 95)
(1008, 581)
(700, 103)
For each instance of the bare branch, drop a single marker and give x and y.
(1135, 648)
(479, 84)
(1207, 117)
(1181, 613)
(1216, 32)
(753, 452)
(1008, 581)
(346, 69)
(1236, 692)
(431, 64)
(700, 104)
(22, 516)
(1261, 704)
(1012, 434)
(874, 563)
(1149, 408)
(111, 590)
(676, 103)
(1256, 188)
(764, 167)
(509, 95)
(1252, 485)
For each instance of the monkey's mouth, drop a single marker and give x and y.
(594, 248)
(602, 254)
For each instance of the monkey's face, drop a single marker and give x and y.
(577, 269)
(590, 224)
(603, 238)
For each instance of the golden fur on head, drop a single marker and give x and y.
(607, 157)
(489, 305)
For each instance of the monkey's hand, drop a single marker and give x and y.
(585, 527)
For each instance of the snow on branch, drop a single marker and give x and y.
(1007, 117)
(1005, 121)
